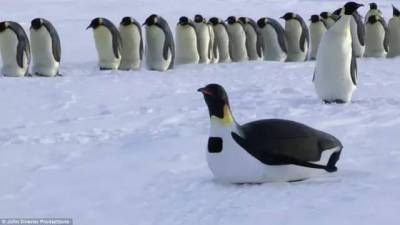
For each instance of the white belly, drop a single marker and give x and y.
(394, 37)
(130, 54)
(8, 47)
(214, 47)
(237, 43)
(272, 49)
(374, 36)
(293, 32)
(222, 39)
(43, 60)
(154, 49)
(316, 32)
(203, 38)
(186, 45)
(104, 46)
(251, 42)
(332, 71)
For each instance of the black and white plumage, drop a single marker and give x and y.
(221, 40)
(108, 43)
(132, 44)
(237, 40)
(186, 42)
(329, 18)
(266, 150)
(15, 49)
(373, 10)
(298, 37)
(46, 48)
(317, 28)
(204, 39)
(254, 42)
(275, 44)
(394, 34)
(376, 37)
(160, 45)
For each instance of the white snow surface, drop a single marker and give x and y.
(128, 148)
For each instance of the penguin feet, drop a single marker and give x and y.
(336, 101)
(105, 68)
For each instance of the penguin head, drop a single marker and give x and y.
(183, 21)
(288, 16)
(126, 21)
(337, 12)
(315, 19)
(152, 20)
(199, 19)
(96, 22)
(396, 12)
(231, 20)
(325, 15)
(3, 26)
(214, 21)
(373, 5)
(217, 101)
(262, 22)
(351, 7)
(373, 19)
(244, 20)
(36, 23)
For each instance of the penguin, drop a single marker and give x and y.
(376, 37)
(237, 40)
(221, 40)
(373, 10)
(357, 32)
(15, 49)
(394, 34)
(328, 18)
(204, 44)
(160, 45)
(108, 43)
(46, 48)
(275, 44)
(132, 44)
(297, 36)
(254, 42)
(335, 74)
(317, 29)
(213, 44)
(186, 42)
(269, 150)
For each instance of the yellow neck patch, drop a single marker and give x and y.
(226, 120)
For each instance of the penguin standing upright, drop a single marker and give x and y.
(204, 45)
(132, 44)
(274, 46)
(373, 10)
(221, 39)
(160, 46)
(376, 37)
(254, 42)
(271, 150)
(317, 29)
(186, 42)
(394, 34)
(213, 44)
(46, 48)
(335, 72)
(108, 43)
(15, 49)
(357, 32)
(297, 36)
(328, 18)
(237, 40)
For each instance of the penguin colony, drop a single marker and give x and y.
(260, 151)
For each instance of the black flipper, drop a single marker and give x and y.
(169, 44)
(353, 68)
(23, 43)
(305, 35)
(280, 32)
(360, 27)
(55, 40)
(116, 37)
(141, 38)
(386, 38)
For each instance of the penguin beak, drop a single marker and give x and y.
(204, 91)
(90, 26)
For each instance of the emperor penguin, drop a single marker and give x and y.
(221, 39)
(160, 45)
(335, 74)
(394, 34)
(376, 37)
(46, 48)
(357, 32)
(275, 44)
(317, 29)
(237, 40)
(254, 42)
(204, 44)
(328, 18)
(186, 42)
(297, 36)
(373, 10)
(132, 44)
(213, 44)
(108, 43)
(15, 49)
(269, 150)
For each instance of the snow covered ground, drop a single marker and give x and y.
(129, 147)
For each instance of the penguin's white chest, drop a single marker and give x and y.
(186, 45)
(237, 42)
(42, 53)
(394, 37)
(293, 32)
(155, 39)
(251, 42)
(104, 46)
(203, 39)
(374, 36)
(130, 54)
(316, 32)
(222, 39)
(272, 49)
(8, 47)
